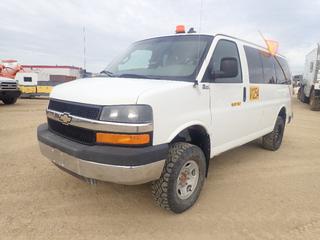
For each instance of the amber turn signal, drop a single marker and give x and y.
(123, 139)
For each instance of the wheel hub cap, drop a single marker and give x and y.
(187, 179)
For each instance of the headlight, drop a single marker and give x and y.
(127, 114)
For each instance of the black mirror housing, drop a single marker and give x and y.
(228, 68)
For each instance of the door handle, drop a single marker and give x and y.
(244, 94)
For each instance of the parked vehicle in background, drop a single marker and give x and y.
(309, 91)
(38, 80)
(9, 90)
(296, 80)
(164, 108)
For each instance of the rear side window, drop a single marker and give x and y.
(254, 65)
(269, 74)
(265, 68)
(281, 79)
(285, 68)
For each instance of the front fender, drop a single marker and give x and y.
(185, 126)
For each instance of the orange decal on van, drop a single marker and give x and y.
(254, 93)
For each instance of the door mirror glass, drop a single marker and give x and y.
(228, 68)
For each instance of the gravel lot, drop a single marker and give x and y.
(250, 193)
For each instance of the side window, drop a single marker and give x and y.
(269, 73)
(224, 50)
(264, 68)
(285, 68)
(254, 65)
(281, 78)
(279, 73)
(27, 79)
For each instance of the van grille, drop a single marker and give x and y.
(77, 134)
(76, 109)
(8, 85)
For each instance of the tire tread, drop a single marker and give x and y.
(160, 187)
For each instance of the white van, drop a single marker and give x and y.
(161, 110)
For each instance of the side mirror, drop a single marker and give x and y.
(228, 68)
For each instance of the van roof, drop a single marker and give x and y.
(249, 43)
(225, 35)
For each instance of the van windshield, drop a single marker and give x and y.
(173, 58)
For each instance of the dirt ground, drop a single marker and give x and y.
(250, 193)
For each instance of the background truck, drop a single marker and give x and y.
(9, 90)
(296, 80)
(309, 91)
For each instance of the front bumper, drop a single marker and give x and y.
(121, 165)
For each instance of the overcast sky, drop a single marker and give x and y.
(51, 32)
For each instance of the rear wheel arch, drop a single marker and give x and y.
(283, 114)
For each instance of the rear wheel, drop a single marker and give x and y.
(273, 140)
(314, 101)
(9, 100)
(182, 178)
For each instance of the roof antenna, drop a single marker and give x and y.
(84, 48)
(200, 25)
(200, 17)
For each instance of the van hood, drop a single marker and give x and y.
(106, 91)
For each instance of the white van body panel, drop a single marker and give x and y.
(171, 106)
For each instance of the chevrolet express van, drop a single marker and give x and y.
(161, 110)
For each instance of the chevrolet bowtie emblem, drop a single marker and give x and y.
(65, 118)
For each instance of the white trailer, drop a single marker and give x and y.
(309, 91)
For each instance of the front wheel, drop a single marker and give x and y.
(182, 178)
(9, 100)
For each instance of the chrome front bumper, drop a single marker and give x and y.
(128, 175)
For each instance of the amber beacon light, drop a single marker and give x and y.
(180, 29)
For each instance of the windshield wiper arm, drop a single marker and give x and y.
(108, 73)
(132, 75)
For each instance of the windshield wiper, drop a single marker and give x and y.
(132, 75)
(108, 73)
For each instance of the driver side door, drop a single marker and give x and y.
(228, 98)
